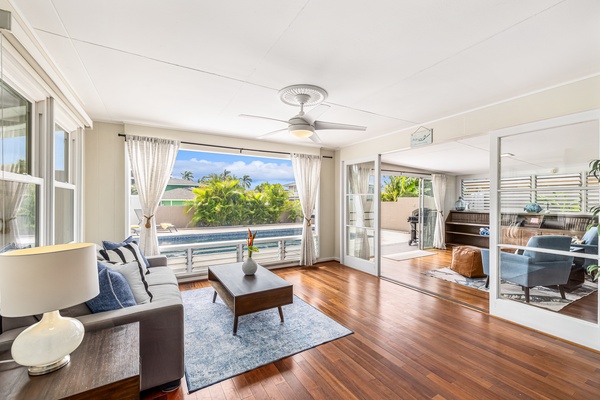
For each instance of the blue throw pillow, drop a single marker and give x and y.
(591, 236)
(113, 245)
(115, 292)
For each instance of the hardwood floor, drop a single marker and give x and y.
(408, 345)
(410, 272)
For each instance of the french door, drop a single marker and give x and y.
(361, 189)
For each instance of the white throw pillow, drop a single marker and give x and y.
(125, 254)
(135, 277)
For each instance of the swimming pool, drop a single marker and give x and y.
(224, 236)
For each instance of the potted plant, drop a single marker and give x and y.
(249, 266)
(594, 170)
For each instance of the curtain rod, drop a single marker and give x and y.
(233, 148)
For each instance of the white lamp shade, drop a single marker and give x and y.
(47, 278)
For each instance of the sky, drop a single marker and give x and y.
(260, 169)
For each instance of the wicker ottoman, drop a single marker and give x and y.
(466, 260)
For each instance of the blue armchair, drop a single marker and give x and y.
(590, 245)
(534, 268)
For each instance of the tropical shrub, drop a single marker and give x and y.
(395, 187)
(224, 200)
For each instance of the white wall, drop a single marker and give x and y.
(106, 184)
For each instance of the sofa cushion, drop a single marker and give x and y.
(160, 276)
(166, 292)
(114, 291)
(135, 277)
(113, 245)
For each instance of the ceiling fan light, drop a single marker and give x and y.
(302, 131)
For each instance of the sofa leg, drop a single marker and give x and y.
(487, 282)
(526, 294)
(170, 386)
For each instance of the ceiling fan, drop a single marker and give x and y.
(304, 125)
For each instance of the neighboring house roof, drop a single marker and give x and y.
(179, 194)
(181, 182)
(289, 185)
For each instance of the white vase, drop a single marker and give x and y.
(249, 266)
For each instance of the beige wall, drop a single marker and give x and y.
(104, 204)
(394, 214)
(105, 211)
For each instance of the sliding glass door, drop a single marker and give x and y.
(427, 214)
(541, 237)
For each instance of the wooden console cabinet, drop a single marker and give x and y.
(462, 227)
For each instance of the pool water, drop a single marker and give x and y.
(224, 236)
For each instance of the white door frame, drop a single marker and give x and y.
(374, 267)
(562, 326)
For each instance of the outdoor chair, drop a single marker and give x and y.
(534, 268)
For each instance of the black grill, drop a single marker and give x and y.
(413, 219)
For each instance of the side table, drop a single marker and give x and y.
(105, 366)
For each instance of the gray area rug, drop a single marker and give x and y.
(539, 296)
(213, 353)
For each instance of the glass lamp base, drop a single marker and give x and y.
(46, 369)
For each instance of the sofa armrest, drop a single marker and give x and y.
(157, 261)
(161, 337)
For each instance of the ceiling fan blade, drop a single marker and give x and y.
(320, 125)
(315, 138)
(271, 133)
(315, 113)
(260, 117)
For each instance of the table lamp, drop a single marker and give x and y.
(45, 280)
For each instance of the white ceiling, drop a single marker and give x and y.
(389, 65)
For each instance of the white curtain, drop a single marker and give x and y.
(359, 175)
(152, 161)
(307, 172)
(439, 195)
(12, 194)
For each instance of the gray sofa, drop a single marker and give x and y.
(161, 326)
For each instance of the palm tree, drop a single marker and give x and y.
(187, 175)
(246, 181)
(226, 175)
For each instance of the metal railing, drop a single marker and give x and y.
(195, 258)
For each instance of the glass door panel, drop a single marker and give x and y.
(427, 214)
(541, 216)
(361, 206)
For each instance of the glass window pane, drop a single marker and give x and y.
(64, 215)
(359, 243)
(14, 131)
(61, 154)
(18, 215)
(361, 210)
(545, 198)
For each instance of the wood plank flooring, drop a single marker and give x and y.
(408, 345)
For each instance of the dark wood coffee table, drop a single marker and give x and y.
(247, 294)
